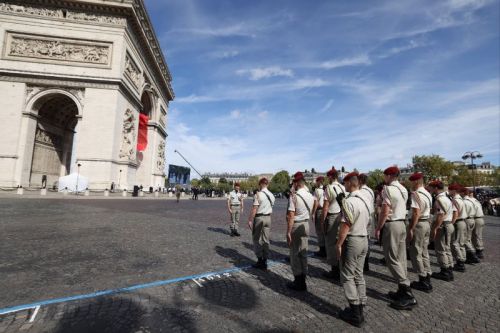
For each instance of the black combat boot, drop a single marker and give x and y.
(352, 315)
(260, 264)
(396, 295)
(459, 266)
(321, 253)
(236, 233)
(480, 254)
(472, 258)
(299, 283)
(406, 301)
(451, 277)
(428, 281)
(421, 284)
(333, 274)
(442, 275)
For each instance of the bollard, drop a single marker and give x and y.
(157, 194)
(141, 193)
(106, 193)
(124, 193)
(170, 194)
(43, 191)
(87, 193)
(20, 190)
(65, 191)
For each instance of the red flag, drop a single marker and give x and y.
(142, 140)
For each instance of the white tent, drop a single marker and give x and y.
(71, 182)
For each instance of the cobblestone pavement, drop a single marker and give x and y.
(59, 248)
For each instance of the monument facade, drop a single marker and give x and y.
(84, 87)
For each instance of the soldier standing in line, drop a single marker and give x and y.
(330, 218)
(352, 247)
(369, 195)
(460, 232)
(392, 219)
(299, 214)
(317, 213)
(235, 208)
(470, 208)
(477, 233)
(419, 231)
(442, 231)
(260, 223)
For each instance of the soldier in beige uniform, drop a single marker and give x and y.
(460, 231)
(392, 219)
(260, 223)
(235, 208)
(369, 195)
(352, 247)
(317, 213)
(419, 231)
(442, 231)
(299, 214)
(470, 209)
(477, 233)
(330, 219)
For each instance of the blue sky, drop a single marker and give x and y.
(268, 85)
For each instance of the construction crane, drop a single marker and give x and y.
(175, 151)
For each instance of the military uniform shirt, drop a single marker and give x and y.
(422, 199)
(369, 197)
(462, 213)
(297, 205)
(395, 196)
(355, 212)
(319, 196)
(479, 208)
(444, 206)
(469, 208)
(235, 198)
(262, 201)
(330, 195)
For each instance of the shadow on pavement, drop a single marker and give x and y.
(219, 230)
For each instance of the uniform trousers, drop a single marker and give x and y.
(471, 223)
(394, 244)
(319, 228)
(477, 234)
(298, 248)
(351, 269)
(443, 246)
(419, 253)
(235, 217)
(332, 230)
(260, 233)
(459, 240)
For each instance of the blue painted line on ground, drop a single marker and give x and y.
(110, 292)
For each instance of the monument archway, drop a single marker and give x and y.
(54, 137)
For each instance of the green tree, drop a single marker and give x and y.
(251, 184)
(280, 182)
(206, 184)
(195, 182)
(375, 177)
(433, 167)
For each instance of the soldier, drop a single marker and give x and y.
(330, 218)
(392, 219)
(460, 227)
(443, 213)
(352, 247)
(317, 213)
(260, 223)
(477, 233)
(235, 208)
(369, 196)
(419, 231)
(470, 208)
(299, 214)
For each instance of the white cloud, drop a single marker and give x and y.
(235, 114)
(344, 62)
(327, 106)
(266, 72)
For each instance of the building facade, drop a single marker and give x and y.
(82, 83)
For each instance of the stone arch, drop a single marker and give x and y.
(57, 113)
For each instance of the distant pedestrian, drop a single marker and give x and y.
(178, 193)
(235, 208)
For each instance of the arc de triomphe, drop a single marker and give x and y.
(81, 82)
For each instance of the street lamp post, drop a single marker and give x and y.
(77, 177)
(119, 179)
(472, 155)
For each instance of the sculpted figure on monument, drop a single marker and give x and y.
(128, 145)
(160, 163)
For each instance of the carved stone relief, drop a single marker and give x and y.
(133, 72)
(81, 16)
(163, 117)
(31, 91)
(47, 138)
(129, 136)
(17, 9)
(160, 162)
(59, 49)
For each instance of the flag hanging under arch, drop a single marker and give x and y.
(142, 139)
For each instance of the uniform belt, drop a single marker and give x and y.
(356, 236)
(300, 221)
(235, 205)
(330, 214)
(426, 219)
(399, 220)
(259, 215)
(479, 217)
(460, 220)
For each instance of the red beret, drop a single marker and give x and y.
(455, 187)
(392, 171)
(298, 176)
(416, 176)
(332, 173)
(263, 181)
(465, 190)
(236, 184)
(350, 175)
(320, 179)
(435, 183)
